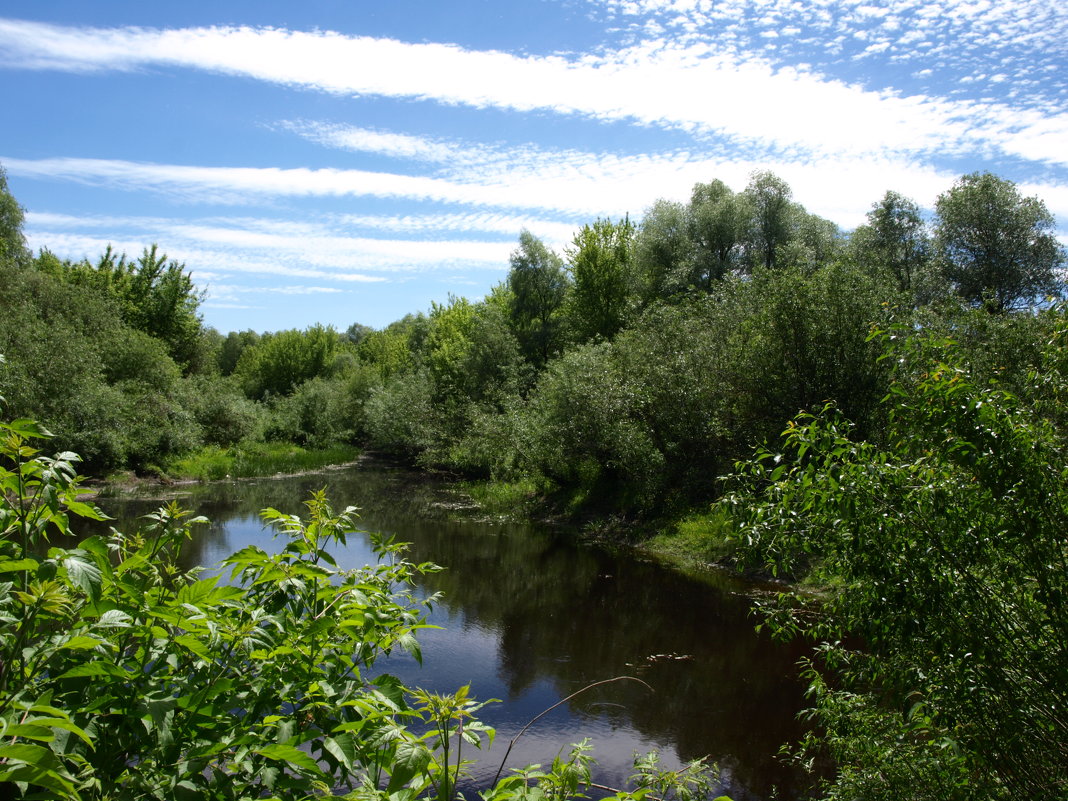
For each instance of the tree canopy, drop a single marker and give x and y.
(996, 246)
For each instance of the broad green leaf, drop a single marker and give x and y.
(94, 669)
(12, 565)
(290, 754)
(343, 748)
(81, 642)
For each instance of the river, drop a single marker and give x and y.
(528, 616)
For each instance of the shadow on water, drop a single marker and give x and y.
(529, 617)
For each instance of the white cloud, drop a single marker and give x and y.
(651, 83)
(841, 188)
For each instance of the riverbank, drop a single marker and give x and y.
(695, 540)
(244, 460)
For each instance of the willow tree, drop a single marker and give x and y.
(995, 246)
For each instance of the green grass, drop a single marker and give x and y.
(699, 537)
(249, 460)
(512, 499)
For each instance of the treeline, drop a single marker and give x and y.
(628, 371)
(633, 369)
(114, 358)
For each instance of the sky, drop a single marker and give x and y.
(353, 161)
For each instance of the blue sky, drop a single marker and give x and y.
(347, 161)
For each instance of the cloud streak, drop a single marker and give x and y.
(692, 86)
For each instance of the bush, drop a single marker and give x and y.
(222, 411)
(943, 546)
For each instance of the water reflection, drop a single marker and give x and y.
(528, 617)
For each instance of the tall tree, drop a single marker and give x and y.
(154, 295)
(601, 268)
(538, 287)
(771, 220)
(12, 242)
(717, 224)
(995, 246)
(896, 239)
(662, 249)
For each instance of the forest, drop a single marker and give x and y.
(876, 418)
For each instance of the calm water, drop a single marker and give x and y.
(529, 617)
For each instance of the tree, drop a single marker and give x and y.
(538, 287)
(896, 239)
(771, 222)
(12, 242)
(282, 361)
(357, 333)
(662, 250)
(996, 247)
(154, 294)
(601, 268)
(941, 549)
(717, 224)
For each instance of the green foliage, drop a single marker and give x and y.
(771, 218)
(107, 390)
(604, 280)
(281, 361)
(154, 295)
(538, 285)
(717, 226)
(997, 247)
(200, 688)
(896, 241)
(317, 414)
(12, 242)
(943, 547)
(223, 412)
(231, 348)
(401, 416)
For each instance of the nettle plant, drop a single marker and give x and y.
(125, 676)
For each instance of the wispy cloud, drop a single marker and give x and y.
(254, 246)
(691, 85)
(570, 183)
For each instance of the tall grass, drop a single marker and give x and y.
(250, 460)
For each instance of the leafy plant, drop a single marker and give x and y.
(941, 552)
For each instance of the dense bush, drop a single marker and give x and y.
(943, 546)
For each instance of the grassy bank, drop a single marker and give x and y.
(699, 538)
(514, 500)
(256, 459)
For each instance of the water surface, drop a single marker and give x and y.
(529, 617)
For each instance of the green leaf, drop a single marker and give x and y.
(94, 669)
(291, 754)
(25, 427)
(410, 760)
(343, 748)
(191, 643)
(12, 565)
(83, 574)
(81, 642)
(113, 619)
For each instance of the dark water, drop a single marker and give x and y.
(529, 617)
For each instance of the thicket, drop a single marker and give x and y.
(940, 668)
